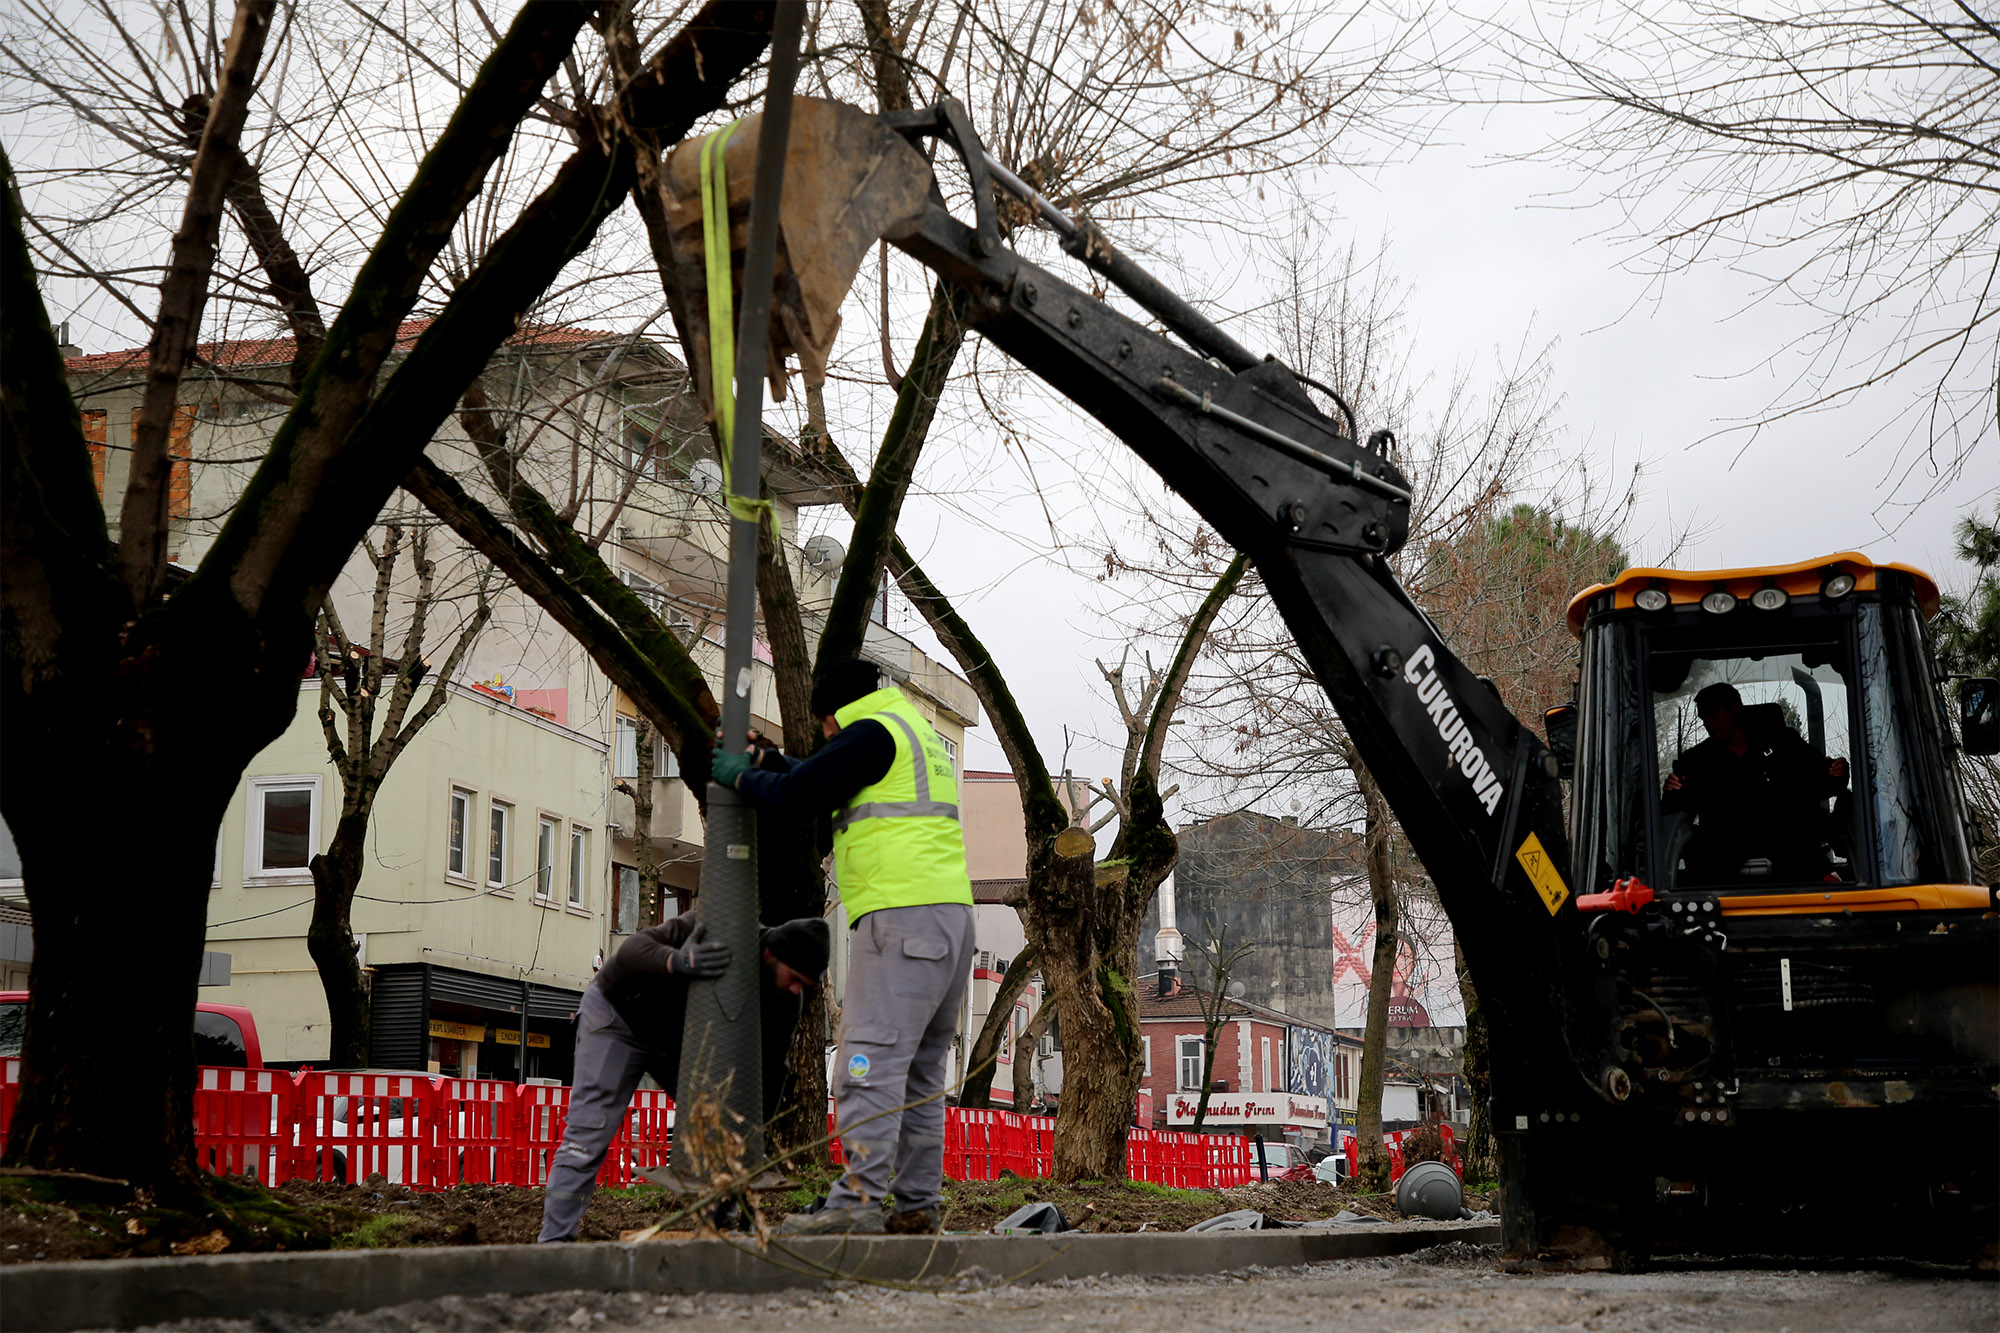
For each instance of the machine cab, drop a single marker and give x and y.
(1767, 731)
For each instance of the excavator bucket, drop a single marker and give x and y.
(849, 182)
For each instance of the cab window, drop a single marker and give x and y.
(1753, 748)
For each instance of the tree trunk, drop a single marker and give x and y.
(167, 708)
(652, 907)
(982, 1062)
(801, 1117)
(1209, 1033)
(122, 956)
(1374, 1157)
(1024, 1053)
(1086, 937)
(336, 876)
(1478, 1154)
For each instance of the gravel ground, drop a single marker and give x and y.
(1452, 1287)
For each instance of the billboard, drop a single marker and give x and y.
(1424, 990)
(1312, 1063)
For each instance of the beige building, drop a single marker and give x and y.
(484, 895)
(500, 865)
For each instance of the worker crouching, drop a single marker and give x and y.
(629, 1024)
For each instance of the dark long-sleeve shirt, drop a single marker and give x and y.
(653, 1003)
(1766, 802)
(857, 756)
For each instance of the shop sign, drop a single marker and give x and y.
(1250, 1108)
(512, 1037)
(457, 1031)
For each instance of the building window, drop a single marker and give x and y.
(1190, 1072)
(455, 855)
(1146, 1045)
(283, 826)
(625, 748)
(499, 823)
(579, 864)
(625, 753)
(624, 898)
(545, 858)
(1264, 1066)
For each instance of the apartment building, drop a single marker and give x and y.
(501, 866)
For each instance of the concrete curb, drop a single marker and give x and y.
(125, 1293)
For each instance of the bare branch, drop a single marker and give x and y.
(143, 526)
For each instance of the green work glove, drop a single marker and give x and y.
(729, 765)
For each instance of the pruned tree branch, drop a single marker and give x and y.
(143, 524)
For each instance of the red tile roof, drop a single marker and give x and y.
(249, 352)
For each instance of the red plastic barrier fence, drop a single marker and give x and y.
(433, 1133)
(1394, 1143)
(472, 1137)
(243, 1123)
(649, 1129)
(354, 1126)
(540, 1111)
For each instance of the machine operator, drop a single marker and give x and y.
(1756, 790)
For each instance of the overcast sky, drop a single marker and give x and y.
(1494, 250)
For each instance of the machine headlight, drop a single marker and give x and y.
(1650, 599)
(1719, 603)
(1837, 587)
(1768, 599)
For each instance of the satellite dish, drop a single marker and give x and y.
(1237, 990)
(706, 477)
(823, 554)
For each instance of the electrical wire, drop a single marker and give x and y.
(260, 915)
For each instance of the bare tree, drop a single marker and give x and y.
(1385, 889)
(88, 633)
(355, 680)
(1218, 959)
(1843, 156)
(1259, 730)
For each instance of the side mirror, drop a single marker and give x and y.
(1979, 715)
(1559, 725)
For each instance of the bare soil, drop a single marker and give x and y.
(47, 1218)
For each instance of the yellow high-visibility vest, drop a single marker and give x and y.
(897, 843)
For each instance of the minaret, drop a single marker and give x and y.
(1167, 947)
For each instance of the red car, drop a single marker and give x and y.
(224, 1034)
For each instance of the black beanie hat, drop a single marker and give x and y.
(840, 682)
(804, 945)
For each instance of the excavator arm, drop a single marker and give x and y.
(1320, 514)
(1598, 1140)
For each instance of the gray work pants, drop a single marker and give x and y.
(609, 1062)
(904, 984)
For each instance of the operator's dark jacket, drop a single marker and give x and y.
(653, 1003)
(1768, 802)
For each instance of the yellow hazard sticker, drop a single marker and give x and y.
(1542, 873)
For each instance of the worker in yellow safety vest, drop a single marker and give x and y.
(899, 858)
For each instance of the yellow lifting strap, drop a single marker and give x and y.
(722, 321)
